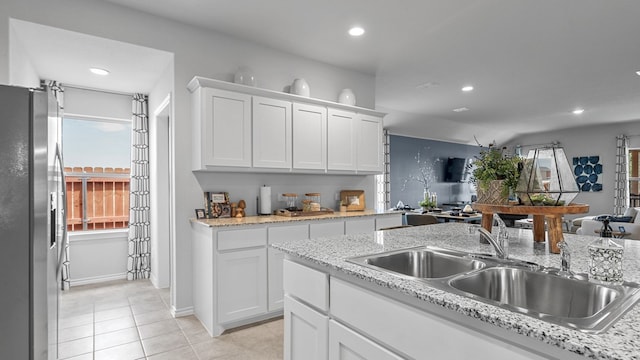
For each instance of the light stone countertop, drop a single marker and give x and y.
(621, 341)
(270, 219)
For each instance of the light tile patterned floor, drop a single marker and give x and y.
(130, 320)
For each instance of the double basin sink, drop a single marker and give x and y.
(523, 287)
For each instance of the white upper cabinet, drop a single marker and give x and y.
(341, 140)
(370, 154)
(309, 137)
(224, 134)
(247, 129)
(271, 133)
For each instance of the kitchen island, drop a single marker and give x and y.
(364, 311)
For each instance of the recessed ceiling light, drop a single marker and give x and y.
(461, 109)
(356, 31)
(578, 111)
(467, 88)
(99, 71)
(638, 72)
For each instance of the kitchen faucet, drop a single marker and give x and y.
(500, 242)
(565, 258)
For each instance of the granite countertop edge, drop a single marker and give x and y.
(274, 219)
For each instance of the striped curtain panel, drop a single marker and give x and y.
(139, 264)
(621, 188)
(387, 171)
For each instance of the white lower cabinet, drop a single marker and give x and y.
(242, 284)
(239, 279)
(363, 324)
(346, 344)
(306, 335)
(275, 260)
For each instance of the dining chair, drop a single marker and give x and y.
(416, 220)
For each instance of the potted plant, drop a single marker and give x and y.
(495, 174)
(427, 204)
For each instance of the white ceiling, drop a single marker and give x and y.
(531, 61)
(66, 56)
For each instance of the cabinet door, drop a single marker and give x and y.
(306, 332)
(309, 137)
(276, 258)
(345, 344)
(226, 128)
(242, 284)
(369, 144)
(271, 133)
(341, 140)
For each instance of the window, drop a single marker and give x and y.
(97, 157)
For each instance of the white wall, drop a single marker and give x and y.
(88, 251)
(160, 124)
(588, 140)
(247, 187)
(21, 68)
(197, 52)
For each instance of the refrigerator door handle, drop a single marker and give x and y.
(63, 211)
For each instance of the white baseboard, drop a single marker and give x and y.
(97, 279)
(154, 280)
(181, 312)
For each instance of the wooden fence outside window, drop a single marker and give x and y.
(97, 198)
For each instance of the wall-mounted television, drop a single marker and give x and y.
(455, 169)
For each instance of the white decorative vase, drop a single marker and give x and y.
(245, 76)
(347, 97)
(300, 87)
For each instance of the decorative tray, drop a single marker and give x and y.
(298, 213)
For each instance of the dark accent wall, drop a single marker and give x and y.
(403, 153)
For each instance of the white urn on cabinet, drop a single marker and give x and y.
(245, 76)
(347, 97)
(300, 87)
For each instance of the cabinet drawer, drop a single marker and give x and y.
(321, 229)
(387, 221)
(240, 239)
(286, 233)
(306, 284)
(358, 226)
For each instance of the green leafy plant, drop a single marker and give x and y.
(427, 203)
(494, 164)
(544, 200)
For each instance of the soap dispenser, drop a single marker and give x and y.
(605, 261)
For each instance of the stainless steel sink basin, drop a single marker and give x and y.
(519, 286)
(577, 304)
(424, 263)
(537, 292)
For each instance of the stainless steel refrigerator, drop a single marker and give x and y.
(32, 226)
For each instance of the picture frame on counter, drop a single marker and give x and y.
(353, 199)
(217, 205)
(201, 214)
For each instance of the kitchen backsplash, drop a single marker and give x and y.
(247, 186)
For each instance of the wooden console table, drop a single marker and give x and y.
(552, 213)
